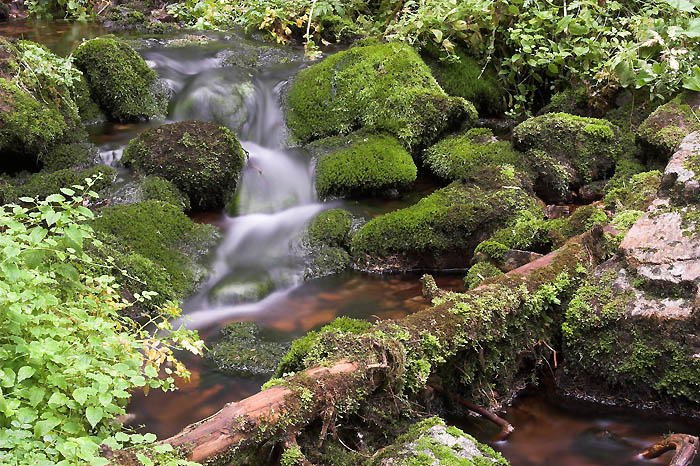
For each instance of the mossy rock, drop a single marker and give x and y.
(478, 273)
(88, 109)
(42, 184)
(382, 87)
(327, 242)
(331, 227)
(458, 155)
(573, 101)
(631, 112)
(162, 233)
(469, 79)
(202, 159)
(148, 188)
(75, 155)
(248, 349)
(627, 343)
(238, 289)
(370, 165)
(637, 193)
(37, 111)
(120, 81)
(663, 131)
(568, 151)
(301, 348)
(442, 230)
(431, 442)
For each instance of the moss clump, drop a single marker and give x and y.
(467, 78)
(573, 101)
(665, 128)
(611, 348)
(120, 81)
(478, 273)
(203, 160)
(442, 229)
(42, 184)
(293, 361)
(76, 155)
(247, 349)
(458, 155)
(332, 227)
(371, 165)
(88, 109)
(163, 234)
(382, 87)
(159, 189)
(637, 193)
(586, 149)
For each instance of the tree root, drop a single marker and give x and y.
(686, 447)
(506, 427)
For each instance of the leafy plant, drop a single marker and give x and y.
(70, 358)
(81, 10)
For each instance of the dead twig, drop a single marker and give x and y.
(686, 447)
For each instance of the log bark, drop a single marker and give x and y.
(686, 447)
(380, 361)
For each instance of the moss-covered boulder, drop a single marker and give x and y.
(469, 79)
(459, 155)
(163, 234)
(573, 100)
(248, 349)
(442, 230)
(148, 188)
(568, 151)
(326, 242)
(663, 130)
(120, 81)
(37, 108)
(636, 193)
(431, 442)
(202, 159)
(478, 273)
(382, 87)
(369, 165)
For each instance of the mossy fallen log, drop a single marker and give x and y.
(494, 332)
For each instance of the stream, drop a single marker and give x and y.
(276, 199)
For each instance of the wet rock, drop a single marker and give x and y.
(364, 165)
(254, 55)
(458, 155)
(665, 128)
(442, 230)
(148, 188)
(382, 87)
(514, 258)
(326, 243)
(591, 192)
(238, 289)
(630, 329)
(248, 349)
(120, 81)
(568, 151)
(431, 442)
(202, 159)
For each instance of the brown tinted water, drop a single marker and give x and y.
(547, 432)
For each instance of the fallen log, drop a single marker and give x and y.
(342, 370)
(686, 447)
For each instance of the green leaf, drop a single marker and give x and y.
(42, 428)
(692, 83)
(26, 199)
(52, 217)
(94, 415)
(67, 191)
(55, 198)
(151, 371)
(24, 373)
(81, 394)
(58, 399)
(150, 438)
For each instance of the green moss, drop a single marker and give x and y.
(44, 183)
(458, 155)
(159, 189)
(163, 234)
(120, 81)
(370, 165)
(631, 114)
(331, 227)
(87, 108)
(572, 101)
(74, 155)
(442, 229)
(292, 456)
(587, 147)
(666, 127)
(478, 273)
(383, 87)
(293, 361)
(203, 160)
(636, 193)
(247, 349)
(467, 78)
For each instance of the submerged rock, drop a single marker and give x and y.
(248, 349)
(633, 328)
(237, 289)
(461, 154)
(365, 165)
(568, 151)
(442, 230)
(120, 81)
(382, 87)
(203, 160)
(431, 442)
(665, 128)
